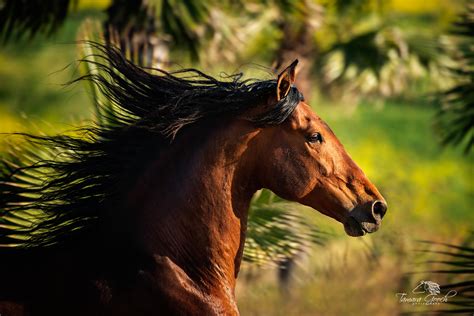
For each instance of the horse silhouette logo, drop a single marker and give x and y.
(427, 287)
(427, 293)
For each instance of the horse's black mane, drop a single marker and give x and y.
(58, 185)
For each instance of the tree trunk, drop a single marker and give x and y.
(298, 43)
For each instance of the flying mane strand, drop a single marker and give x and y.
(46, 201)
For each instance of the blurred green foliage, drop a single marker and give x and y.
(455, 120)
(429, 190)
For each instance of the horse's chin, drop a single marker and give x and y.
(353, 228)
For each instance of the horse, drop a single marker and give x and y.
(146, 213)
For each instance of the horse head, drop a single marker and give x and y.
(303, 161)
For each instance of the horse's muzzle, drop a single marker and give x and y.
(365, 218)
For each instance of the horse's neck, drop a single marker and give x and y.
(191, 204)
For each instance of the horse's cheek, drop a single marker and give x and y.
(293, 176)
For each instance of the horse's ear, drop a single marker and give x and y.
(285, 79)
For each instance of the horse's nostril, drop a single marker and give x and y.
(379, 209)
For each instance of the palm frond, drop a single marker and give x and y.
(133, 26)
(26, 18)
(153, 26)
(381, 62)
(276, 231)
(183, 21)
(455, 119)
(455, 263)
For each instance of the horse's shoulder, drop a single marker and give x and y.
(177, 292)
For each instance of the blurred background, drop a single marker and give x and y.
(393, 79)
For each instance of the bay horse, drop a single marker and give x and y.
(146, 213)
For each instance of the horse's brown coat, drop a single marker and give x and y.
(189, 222)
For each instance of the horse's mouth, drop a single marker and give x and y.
(354, 228)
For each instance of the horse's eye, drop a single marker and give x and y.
(315, 138)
